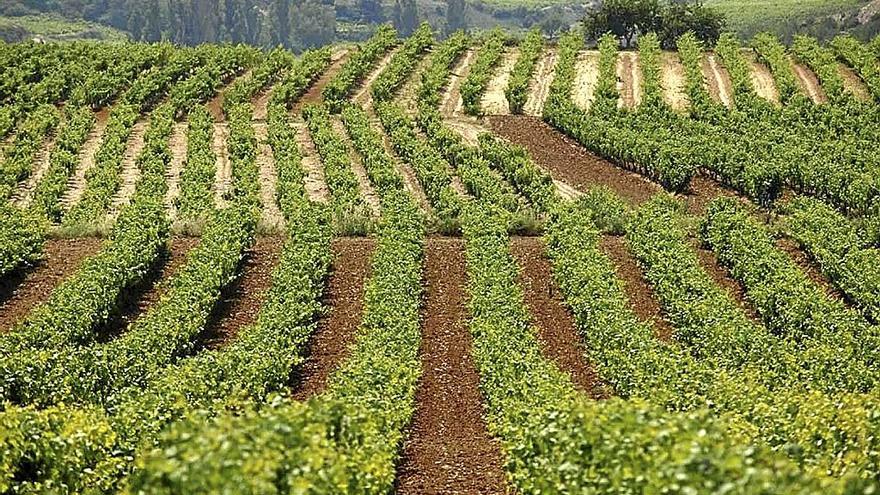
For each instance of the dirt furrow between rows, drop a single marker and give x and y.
(641, 297)
(368, 192)
(719, 80)
(448, 449)
(223, 179)
(313, 95)
(762, 79)
(315, 182)
(271, 213)
(76, 185)
(539, 87)
(451, 104)
(24, 190)
(20, 292)
(130, 172)
(585, 79)
(494, 100)
(557, 331)
(673, 81)
(344, 299)
(853, 83)
(240, 303)
(808, 82)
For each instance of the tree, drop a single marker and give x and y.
(455, 16)
(279, 22)
(312, 24)
(681, 17)
(406, 16)
(624, 18)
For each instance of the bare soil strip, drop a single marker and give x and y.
(271, 213)
(313, 95)
(240, 303)
(539, 87)
(853, 83)
(721, 277)
(567, 192)
(410, 179)
(557, 331)
(451, 104)
(261, 105)
(569, 162)
(336, 332)
(363, 96)
(77, 183)
(449, 449)
(702, 191)
(315, 182)
(21, 292)
(719, 80)
(130, 171)
(808, 82)
(629, 80)
(635, 77)
(673, 81)
(177, 144)
(494, 100)
(24, 190)
(809, 267)
(585, 79)
(407, 95)
(762, 78)
(357, 166)
(223, 179)
(141, 298)
(215, 104)
(641, 297)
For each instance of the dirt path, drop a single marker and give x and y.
(673, 80)
(721, 277)
(336, 332)
(407, 96)
(808, 82)
(641, 297)
(313, 95)
(141, 298)
(569, 162)
(853, 83)
(178, 145)
(719, 80)
(215, 104)
(261, 105)
(449, 449)
(702, 191)
(762, 78)
(223, 179)
(240, 302)
(557, 331)
(25, 189)
(368, 192)
(271, 213)
(539, 87)
(22, 291)
(585, 79)
(494, 100)
(629, 79)
(451, 104)
(130, 171)
(315, 182)
(76, 185)
(410, 179)
(363, 96)
(809, 267)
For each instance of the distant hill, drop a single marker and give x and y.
(50, 27)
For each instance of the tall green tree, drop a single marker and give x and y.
(371, 11)
(279, 22)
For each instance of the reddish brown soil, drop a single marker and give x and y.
(641, 296)
(722, 278)
(336, 332)
(557, 331)
(313, 95)
(569, 162)
(702, 191)
(449, 449)
(20, 292)
(142, 297)
(240, 303)
(809, 267)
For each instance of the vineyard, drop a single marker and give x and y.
(477, 264)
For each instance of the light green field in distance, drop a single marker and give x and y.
(754, 15)
(55, 28)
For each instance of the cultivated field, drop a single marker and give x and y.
(440, 266)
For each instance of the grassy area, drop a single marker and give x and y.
(751, 16)
(55, 28)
